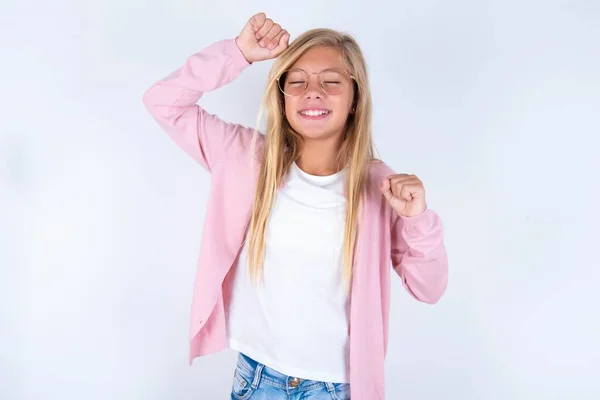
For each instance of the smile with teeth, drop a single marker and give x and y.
(315, 113)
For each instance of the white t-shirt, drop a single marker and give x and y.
(296, 322)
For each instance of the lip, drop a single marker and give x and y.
(314, 117)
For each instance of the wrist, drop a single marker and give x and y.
(413, 216)
(242, 50)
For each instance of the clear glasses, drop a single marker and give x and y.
(333, 82)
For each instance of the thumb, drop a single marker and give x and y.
(386, 190)
(248, 34)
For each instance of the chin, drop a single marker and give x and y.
(313, 132)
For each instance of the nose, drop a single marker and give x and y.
(313, 91)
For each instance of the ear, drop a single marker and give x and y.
(354, 103)
(353, 107)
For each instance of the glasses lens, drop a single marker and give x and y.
(293, 82)
(333, 82)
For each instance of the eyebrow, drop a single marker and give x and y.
(325, 69)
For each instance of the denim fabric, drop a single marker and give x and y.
(253, 380)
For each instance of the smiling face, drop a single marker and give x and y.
(318, 114)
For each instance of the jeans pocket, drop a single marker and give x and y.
(241, 388)
(341, 391)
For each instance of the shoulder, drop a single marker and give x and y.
(377, 170)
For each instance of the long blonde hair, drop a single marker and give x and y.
(282, 145)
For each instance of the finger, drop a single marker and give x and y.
(407, 192)
(285, 40)
(395, 181)
(397, 185)
(399, 176)
(282, 43)
(407, 178)
(275, 41)
(273, 32)
(386, 189)
(402, 178)
(257, 21)
(404, 189)
(264, 29)
(396, 188)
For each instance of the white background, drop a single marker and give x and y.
(494, 104)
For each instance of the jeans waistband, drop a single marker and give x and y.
(275, 378)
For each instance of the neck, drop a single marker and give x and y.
(319, 157)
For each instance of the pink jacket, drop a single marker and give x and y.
(414, 246)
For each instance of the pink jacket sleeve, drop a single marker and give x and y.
(419, 255)
(172, 103)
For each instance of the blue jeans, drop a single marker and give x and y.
(253, 380)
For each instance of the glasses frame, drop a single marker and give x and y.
(308, 80)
